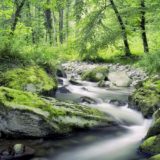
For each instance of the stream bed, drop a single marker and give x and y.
(115, 143)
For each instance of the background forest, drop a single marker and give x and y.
(94, 30)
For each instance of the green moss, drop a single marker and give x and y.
(63, 117)
(157, 114)
(33, 79)
(147, 98)
(95, 75)
(155, 129)
(151, 145)
(156, 157)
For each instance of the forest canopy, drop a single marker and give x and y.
(95, 30)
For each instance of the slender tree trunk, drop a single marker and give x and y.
(143, 27)
(17, 15)
(67, 18)
(55, 29)
(61, 14)
(49, 27)
(123, 28)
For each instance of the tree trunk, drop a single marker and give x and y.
(17, 15)
(49, 27)
(123, 28)
(67, 18)
(61, 25)
(143, 27)
(55, 29)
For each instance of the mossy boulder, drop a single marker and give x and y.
(155, 128)
(156, 157)
(151, 146)
(147, 98)
(25, 114)
(33, 79)
(95, 75)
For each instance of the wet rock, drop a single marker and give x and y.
(18, 148)
(103, 83)
(87, 100)
(60, 81)
(120, 79)
(117, 103)
(74, 82)
(63, 90)
(60, 72)
(17, 152)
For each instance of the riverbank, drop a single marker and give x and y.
(100, 91)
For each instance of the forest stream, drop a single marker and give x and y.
(116, 143)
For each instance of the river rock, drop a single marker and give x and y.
(18, 148)
(74, 82)
(60, 72)
(95, 75)
(117, 102)
(63, 89)
(24, 114)
(104, 83)
(87, 100)
(120, 79)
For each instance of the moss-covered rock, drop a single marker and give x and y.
(33, 79)
(156, 157)
(25, 114)
(147, 98)
(155, 128)
(95, 75)
(151, 146)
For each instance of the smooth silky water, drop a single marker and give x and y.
(114, 143)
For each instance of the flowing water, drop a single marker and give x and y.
(115, 143)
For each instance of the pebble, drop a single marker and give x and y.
(76, 68)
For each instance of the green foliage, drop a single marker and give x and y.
(151, 62)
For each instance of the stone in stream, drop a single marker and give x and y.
(73, 81)
(117, 102)
(87, 100)
(17, 152)
(63, 89)
(18, 148)
(104, 83)
(25, 114)
(95, 75)
(120, 79)
(60, 72)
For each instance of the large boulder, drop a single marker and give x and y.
(25, 114)
(146, 98)
(120, 79)
(95, 75)
(156, 157)
(151, 146)
(32, 79)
